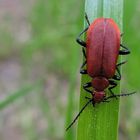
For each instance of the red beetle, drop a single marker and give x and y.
(102, 51)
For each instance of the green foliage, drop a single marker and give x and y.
(131, 38)
(130, 71)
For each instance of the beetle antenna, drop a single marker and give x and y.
(79, 114)
(126, 94)
(119, 95)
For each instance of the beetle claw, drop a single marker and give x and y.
(87, 98)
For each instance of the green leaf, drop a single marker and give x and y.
(71, 94)
(100, 122)
(19, 94)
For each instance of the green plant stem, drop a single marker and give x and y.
(100, 122)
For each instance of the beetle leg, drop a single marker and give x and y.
(114, 84)
(93, 103)
(88, 98)
(79, 41)
(86, 86)
(86, 17)
(121, 63)
(118, 76)
(84, 63)
(84, 53)
(81, 69)
(125, 50)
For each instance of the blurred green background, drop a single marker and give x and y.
(39, 69)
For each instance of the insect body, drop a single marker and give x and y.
(101, 51)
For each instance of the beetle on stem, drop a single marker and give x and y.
(102, 50)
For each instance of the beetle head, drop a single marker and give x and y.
(98, 96)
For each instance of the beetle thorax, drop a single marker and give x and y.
(100, 83)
